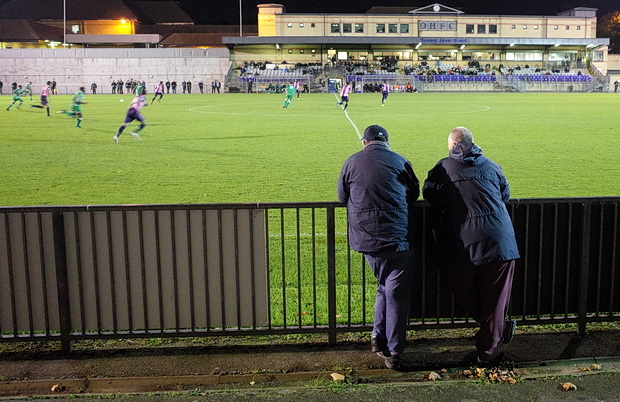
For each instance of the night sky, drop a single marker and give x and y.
(227, 11)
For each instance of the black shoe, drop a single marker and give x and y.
(393, 362)
(509, 331)
(378, 344)
(497, 360)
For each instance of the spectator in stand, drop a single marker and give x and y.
(167, 86)
(173, 85)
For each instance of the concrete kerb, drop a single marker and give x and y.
(162, 384)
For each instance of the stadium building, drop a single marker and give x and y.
(441, 39)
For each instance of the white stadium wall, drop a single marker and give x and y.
(72, 68)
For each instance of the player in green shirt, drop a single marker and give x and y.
(76, 108)
(290, 91)
(140, 89)
(16, 98)
(27, 91)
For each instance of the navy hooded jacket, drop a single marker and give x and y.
(469, 192)
(379, 188)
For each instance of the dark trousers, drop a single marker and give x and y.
(484, 291)
(394, 273)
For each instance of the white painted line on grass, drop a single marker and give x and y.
(357, 131)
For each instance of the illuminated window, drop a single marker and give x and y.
(301, 25)
(290, 25)
(535, 27)
(75, 29)
(404, 28)
(393, 28)
(359, 28)
(469, 29)
(380, 28)
(524, 26)
(335, 28)
(555, 27)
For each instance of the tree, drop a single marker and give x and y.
(609, 27)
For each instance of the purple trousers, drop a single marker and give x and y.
(394, 273)
(485, 291)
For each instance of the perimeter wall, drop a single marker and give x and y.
(72, 68)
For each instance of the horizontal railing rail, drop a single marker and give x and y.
(72, 273)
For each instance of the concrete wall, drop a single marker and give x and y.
(72, 68)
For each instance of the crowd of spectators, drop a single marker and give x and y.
(253, 69)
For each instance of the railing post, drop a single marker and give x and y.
(331, 273)
(584, 268)
(62, 281)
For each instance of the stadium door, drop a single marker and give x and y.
(333, 84)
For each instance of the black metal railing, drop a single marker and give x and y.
(91, 272)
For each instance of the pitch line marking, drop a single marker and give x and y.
(357, 131)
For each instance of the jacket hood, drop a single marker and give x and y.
(467, 153)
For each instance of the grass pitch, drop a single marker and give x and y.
(247, 148)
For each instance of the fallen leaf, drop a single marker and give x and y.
(567, 386)
(252, 382)
(338, 316)
(58, 388)
(304, 313)
(595, 367)
(337, 377)
(432, 376)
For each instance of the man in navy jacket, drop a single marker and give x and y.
(475, 237)
(379, 188)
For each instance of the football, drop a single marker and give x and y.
(122, 100)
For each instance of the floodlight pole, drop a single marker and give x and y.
(240, 20)
(64, 23)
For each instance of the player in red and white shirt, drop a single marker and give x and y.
(159, 91)
(297, 85)
(46, 91)
(133, 113)
(344, 96)
(385, 91)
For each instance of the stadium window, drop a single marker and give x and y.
(346, 28)
(535, 27)
(312, 25)
(313, 51)
(482, 29)
(578, 27)
(597, 56)
(301, 51)
(75, 29)
(567, 27)
(404, 28)
(469, 29)
(514, 27)
(380, 28)
(492, 29)
(290, 25)
(335, 28)
(359, 28)
(301, 25)
(393, 28)
(290, 51)
(524, 26)
(555, 27)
